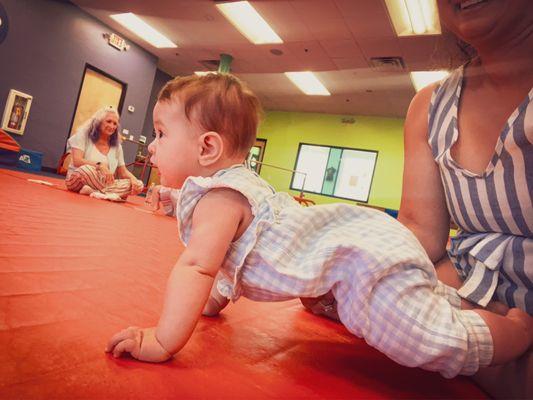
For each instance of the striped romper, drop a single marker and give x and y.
(384, 283)
(493, 249)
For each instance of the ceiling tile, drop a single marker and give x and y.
(312, 56)
(334, 38)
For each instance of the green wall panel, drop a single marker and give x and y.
(285, 130)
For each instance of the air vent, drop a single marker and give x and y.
(387, 64)
(211, 65)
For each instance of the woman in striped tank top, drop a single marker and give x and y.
(471, 160)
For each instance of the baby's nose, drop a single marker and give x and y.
(151, 147)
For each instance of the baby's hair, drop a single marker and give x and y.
(219, 103)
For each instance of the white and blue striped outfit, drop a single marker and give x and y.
(384, 283)
(493, 250)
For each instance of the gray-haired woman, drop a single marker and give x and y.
(97, 158)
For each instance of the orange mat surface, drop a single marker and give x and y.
(74, 270)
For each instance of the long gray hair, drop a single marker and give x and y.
(91, 127)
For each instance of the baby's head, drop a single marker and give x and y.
(202, 124)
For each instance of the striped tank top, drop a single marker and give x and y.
(493, 249)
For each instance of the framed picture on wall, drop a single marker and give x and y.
(16, 112)
(255, 157)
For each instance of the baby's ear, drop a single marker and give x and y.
(211, 148)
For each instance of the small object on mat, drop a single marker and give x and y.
(144, 210)
(149, 192)
(107, 196)
(41, 182)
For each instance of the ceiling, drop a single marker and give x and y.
(334, 38)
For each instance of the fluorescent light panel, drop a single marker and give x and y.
(414, 17)
(421, 79)
(143, 30)
(248, 21)
(308, 83)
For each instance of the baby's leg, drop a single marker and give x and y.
(216, 302)
(512, 334)
(324, 305)
(517, 375)
(404, 317)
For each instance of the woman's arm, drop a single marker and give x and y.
(78, 158)
(423, 207)
(136, 184)
(123, 173)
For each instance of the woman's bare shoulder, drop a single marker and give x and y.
(416, 121)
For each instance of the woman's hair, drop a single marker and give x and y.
(219, 103)
(91, 127)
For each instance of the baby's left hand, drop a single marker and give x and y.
(139, 343)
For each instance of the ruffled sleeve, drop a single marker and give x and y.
(169, 200)
(191, 193)
(485, 254)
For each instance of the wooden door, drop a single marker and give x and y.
(97, 90)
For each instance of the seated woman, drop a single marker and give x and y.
(97, 157)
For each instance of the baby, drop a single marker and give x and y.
(245, 239)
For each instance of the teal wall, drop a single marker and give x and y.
(285, 130)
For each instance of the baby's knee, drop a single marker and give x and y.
(523, 320)
(213, 307)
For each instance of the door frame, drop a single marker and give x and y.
(101, 72)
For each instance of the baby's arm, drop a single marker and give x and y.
(216, 220)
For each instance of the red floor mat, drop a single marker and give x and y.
(74, 270)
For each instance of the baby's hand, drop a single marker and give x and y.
(139, 343)
(154, 201)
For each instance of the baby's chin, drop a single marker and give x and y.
(170, 184)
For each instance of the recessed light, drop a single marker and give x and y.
(308, 83)
(248, 21)
(421, 79)
(143, 30)
(204, 73)
(414, 17)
